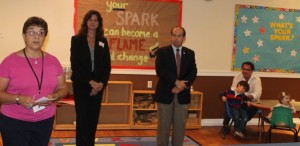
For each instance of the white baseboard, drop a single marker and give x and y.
(219, 122)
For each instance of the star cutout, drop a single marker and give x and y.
(255, 58)
(255, 19)
(294, 53)
(262, 30)
(278, 49)
(246, 50)
(293, 36)
(247, 33)
(298, 19)
(260, 43)
(281, 16)
(244, 19)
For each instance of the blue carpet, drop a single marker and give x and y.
(119, 141)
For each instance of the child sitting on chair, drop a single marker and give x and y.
(284, 101)
(237, 102)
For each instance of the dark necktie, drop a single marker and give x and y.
(178, 60)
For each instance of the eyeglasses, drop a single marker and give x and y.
(246, 69)
(33, 33)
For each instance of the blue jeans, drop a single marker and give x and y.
(240, 118)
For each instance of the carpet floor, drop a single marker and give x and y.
(119, 141)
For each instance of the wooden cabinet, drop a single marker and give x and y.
(195, 110)
(115, 110)
(124, 108)
(144, 110)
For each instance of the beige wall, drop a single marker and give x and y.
(209, 25)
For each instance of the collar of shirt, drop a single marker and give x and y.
(251, 78)
(174, 49)
(236, 94)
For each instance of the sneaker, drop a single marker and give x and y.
(238, 133)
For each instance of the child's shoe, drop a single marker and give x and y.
(239, 133)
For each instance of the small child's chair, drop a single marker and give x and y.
(282, 119)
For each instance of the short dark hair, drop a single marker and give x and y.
(244, 84)
(35, 21)
(84, 29)
(178, 27)
(248, 63)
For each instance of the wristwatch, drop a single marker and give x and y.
(18, 99)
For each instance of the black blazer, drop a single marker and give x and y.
(165, 66)
(81, 63)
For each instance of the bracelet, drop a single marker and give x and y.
(17, 99)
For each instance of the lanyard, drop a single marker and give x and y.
(42, 74)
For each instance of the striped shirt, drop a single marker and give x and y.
(235, 100)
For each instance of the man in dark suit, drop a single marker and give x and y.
(176, 68)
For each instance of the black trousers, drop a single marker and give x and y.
(87, 114)
(21, 133)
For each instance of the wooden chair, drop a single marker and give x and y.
(282, 119)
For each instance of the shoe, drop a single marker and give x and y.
(267, 120)
(238, 133)
(245, 133)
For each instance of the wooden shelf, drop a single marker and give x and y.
(124, 108)
(146, 118)
(115, 108)
(142, 109)
(99, 127)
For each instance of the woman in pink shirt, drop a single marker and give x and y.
(26, 76)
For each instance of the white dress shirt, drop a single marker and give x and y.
(255, 87)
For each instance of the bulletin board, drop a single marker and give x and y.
(133, 27)
(268, 37)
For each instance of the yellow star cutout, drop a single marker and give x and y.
(246, 50)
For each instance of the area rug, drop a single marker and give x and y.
(119, 141)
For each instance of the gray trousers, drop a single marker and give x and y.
(174, 114)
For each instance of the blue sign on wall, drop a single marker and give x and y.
(268, 37)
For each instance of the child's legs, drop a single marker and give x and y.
(235, 117)
(244, 119)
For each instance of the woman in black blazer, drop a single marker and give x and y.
(90, 63)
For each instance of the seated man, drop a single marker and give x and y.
(254, 82)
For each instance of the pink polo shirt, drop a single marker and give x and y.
(23, 82)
